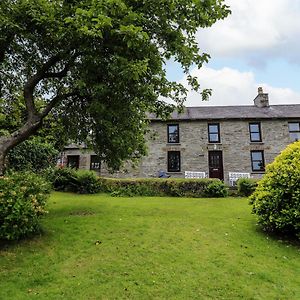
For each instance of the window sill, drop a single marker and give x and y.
(178, 173)
(257, 143)
(258, 172)
(219, 143)
(173, 144)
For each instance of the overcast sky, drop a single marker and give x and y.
(257, 45)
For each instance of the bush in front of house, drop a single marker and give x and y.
(87, 182)
(217, 189)
(63, 179)
(246, 186)
(71, 180)
(174, 187)
(276, 200)
(22, 202)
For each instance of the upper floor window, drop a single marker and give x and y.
(294, 130)
(255, 132)
(173, 161)
(257, 160)
(95, 163)
(173, 133)
(214, 133)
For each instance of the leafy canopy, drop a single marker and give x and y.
(101, 64)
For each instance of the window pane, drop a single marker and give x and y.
(256, 156)
(213, 128)
(173, 131)
(255, 137)
(173, 161)
(294, 127)
(257, 161)
(257, 166)
(73, 161)
(254, 128)
(214, 137)
(95, 162)
(295, 136)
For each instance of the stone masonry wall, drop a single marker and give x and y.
(194, 147)
(235, 145)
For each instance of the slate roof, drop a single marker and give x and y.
(236, 112)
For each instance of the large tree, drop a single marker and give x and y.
(100, 64)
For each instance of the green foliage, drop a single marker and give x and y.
(64, 179)
(276, 200)
(164, 187)
(22, 202)
(101, 64)
(33, 155)
(246, 186)
(12, 115)
(87, 182)
(217, 189)
(80, 181)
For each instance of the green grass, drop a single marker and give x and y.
(99, 247)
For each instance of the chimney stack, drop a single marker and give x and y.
(262, 99)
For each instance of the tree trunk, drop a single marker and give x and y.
(9, 142)
(2, 163)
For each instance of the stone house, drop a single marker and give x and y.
(214, 140)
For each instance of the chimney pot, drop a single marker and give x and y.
(260, 90)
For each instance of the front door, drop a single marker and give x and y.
(215, 163)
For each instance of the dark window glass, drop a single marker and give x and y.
(257, 160)
(73, 161)
(214, 133)
(173, 133)
(294, 130)
(255, 132)
(95, 163)
(174, 161)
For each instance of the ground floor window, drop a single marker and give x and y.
(173, 161)
(95, 164)
(73, 161)
(257, 160)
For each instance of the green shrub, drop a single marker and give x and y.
(246, 186)
(64, 179)
(217, 189)
(87, 182)
(71, 180)
(276, 200)
(32, 155)
(22, 202)
(164, 187)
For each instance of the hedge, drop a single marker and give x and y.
(164, 187)
(247, 186)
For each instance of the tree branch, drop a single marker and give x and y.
(54, 102)
(63, 72)
(43, 74)
(33, 81)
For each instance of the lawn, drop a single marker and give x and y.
(100, 247)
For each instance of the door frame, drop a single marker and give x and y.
(221, 172)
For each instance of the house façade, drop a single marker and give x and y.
(216, 140)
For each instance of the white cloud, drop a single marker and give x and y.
(232, 87)
(256, 28)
